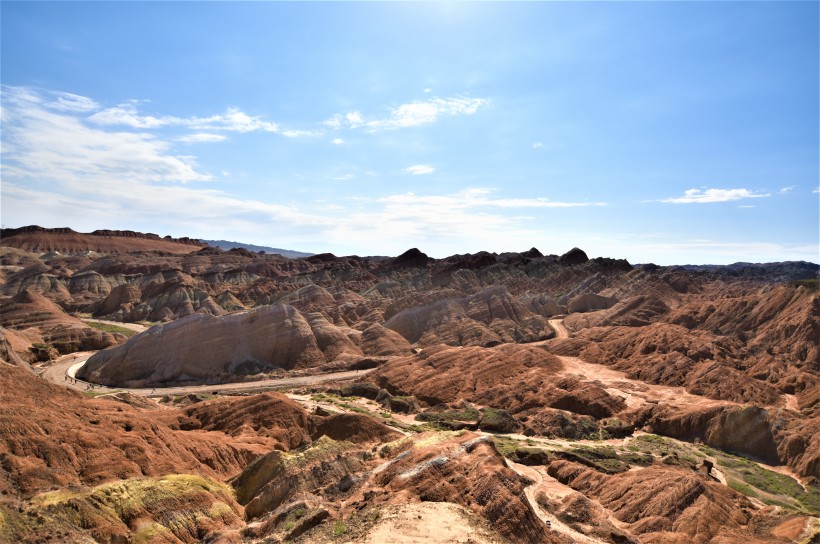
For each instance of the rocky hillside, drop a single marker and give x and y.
(528, 397)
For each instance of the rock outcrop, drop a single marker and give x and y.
(202, 349)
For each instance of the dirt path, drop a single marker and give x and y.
(136, 327)
(560, 330)
(58, 372)
(552, 522)
(634, 392)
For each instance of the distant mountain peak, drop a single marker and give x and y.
(227, 245)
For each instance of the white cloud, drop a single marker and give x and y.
(72, 102)
(480, 198)
(343, 177)
(537, 145)
(722, 252)
(337, 141)
(201, 137)
(784, 190)
(354, 119)
(233, 120)
(334, 122)
(56, 164)
(411, 114)
(420, 169)
(703, 196)
(816, 190)
(747, 206)
(428, 90)
(42, 144)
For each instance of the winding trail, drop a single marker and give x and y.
(67, 367)
(550, 520)
(559, 328)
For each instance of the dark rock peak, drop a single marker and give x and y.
(573, 256)
(533, 253)
(412, 258)
(242, 251)
(210, 250)
(471, 261)
(321, 258)
(5, 233)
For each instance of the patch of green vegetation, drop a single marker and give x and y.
(465, 414)
(339, 528)
(661, 447)
(602, 458)
(436, 438)
(813, 284)
(95, 394)
(506, 446)
(319, 449)
(742, 488)
(353, 407)
(770, 487)
(106, 327)
(149, 532)
(157, 500)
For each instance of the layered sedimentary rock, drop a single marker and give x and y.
(202, 348)
(490, 317)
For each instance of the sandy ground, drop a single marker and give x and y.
(634, 392)
(430, 523)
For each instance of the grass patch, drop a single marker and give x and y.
(466, 414)
(742, 488)
(770, 487)
(661, 447)
(601, 458)
(95, 394)
(506, 446)
(106, 327)
(437, 438)
(813, 284)
(339, 528)
(320, 449)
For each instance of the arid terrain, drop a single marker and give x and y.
(154, 390)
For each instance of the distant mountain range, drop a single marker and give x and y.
(226, 245)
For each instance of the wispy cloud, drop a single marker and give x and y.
(537, 145)
(55, 162)
(704, 196)
(420, 169)
(337, 141)
(72, 102)
(480, 197)
(43, 143)
(816, 190)
(723, 252)
(411, 114)
(788, 189)
(201, 137)
(233, 120)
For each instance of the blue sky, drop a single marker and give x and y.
(658, 132)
